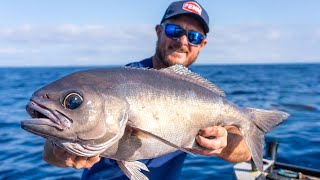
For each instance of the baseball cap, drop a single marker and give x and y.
(192, 8)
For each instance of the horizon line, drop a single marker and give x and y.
(196, 64)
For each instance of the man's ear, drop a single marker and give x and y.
(204, 43)
(158, 29)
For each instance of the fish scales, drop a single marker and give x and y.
(128, 114)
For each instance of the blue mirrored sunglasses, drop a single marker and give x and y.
(175, 32)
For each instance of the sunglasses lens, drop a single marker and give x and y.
(174, 31)
(195, 37)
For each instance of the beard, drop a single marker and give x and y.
(161, 54)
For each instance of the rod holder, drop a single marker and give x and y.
(272, 148)
(253, 166)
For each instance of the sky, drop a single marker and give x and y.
(100, 32)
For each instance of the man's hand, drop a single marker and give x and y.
(57, 156)
(225, 142)
(213, 138)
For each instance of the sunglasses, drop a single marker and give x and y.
(175, 32)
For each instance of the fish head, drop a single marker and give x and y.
(76, 113)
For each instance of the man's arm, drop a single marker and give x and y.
(57, 156)
(228, 143)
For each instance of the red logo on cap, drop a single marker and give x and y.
(192, 7)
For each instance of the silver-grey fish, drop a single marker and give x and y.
(128, 114)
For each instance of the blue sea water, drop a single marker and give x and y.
(294, 88)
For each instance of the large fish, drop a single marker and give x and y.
(129, 114)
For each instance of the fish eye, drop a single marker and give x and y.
(72, 101)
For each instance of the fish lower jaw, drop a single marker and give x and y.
(35, 123)
(79, 149)
(42, 113)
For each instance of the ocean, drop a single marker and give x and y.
(294, 88)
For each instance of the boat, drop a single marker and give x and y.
(272, 169)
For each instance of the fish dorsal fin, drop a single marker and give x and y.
(184, 73)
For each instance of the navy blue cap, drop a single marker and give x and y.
(192, 8)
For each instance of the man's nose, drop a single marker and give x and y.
(183, 40)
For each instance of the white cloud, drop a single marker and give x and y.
(11, 51)
(274, 35)
(262, 44)
(316, 35)
(72, 44)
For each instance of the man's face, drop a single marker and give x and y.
(178, 51)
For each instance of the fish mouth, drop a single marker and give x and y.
(42, 115)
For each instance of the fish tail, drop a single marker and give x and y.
(263, 121)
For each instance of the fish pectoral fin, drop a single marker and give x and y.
(163, 140)
(133, 169)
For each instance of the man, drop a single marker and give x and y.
(181, 37)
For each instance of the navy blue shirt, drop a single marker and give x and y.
(164, 167)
